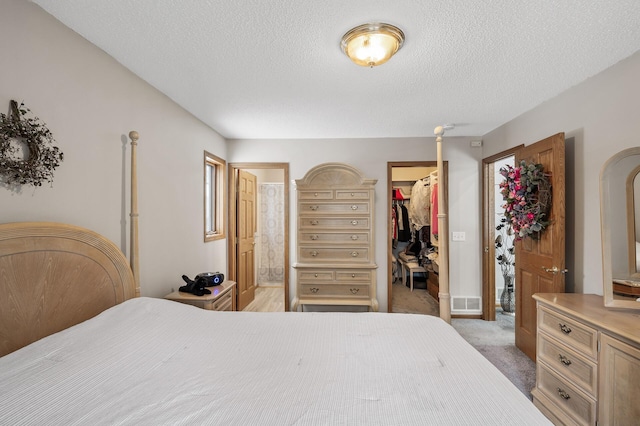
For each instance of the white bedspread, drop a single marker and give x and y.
(156, 362)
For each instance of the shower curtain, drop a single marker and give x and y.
(271, 261)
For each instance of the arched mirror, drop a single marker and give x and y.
(620, 216)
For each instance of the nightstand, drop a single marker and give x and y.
(222, 297)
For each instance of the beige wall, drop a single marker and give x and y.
(599, 117)
(90, 103)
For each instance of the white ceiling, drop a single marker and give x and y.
(273, 69)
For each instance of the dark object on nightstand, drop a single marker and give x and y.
(211, 279)
(196, 287)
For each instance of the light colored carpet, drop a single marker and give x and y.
(500, 332)
(495, 340)
(417, 301)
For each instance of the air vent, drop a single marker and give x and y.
(466, 305)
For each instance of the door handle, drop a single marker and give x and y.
(554, 270)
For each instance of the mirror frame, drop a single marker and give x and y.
(633, 212)
(611, 300)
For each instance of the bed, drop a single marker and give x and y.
(79, 346)
(139, 360)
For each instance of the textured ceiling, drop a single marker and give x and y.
(274, 69)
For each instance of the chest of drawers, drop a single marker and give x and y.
(335, 243)
(588, 361)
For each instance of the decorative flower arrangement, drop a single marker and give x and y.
(527, 194)
(505, 255)
(505, 250)
(42, 158)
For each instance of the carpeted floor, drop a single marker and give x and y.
(417, 301)
(495, 340)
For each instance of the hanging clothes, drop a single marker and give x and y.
(420, 206)
(404, 226)
(434, 209)
(394, 222)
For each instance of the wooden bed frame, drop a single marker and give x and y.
(53, 275)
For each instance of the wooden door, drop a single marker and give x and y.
(540, 263)
(246, 227)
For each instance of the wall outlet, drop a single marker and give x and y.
(476, 144)
(458, 236)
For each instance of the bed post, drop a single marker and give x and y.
(135, 267)
(443, 250)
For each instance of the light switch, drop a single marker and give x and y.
(458, 236)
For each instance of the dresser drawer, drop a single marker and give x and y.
(567, 397)
(315, 195)
(341, 276)
(311, 208)
(568, 363)
(321, 237)
(335, 290)
(334, 223)
(223, 303)
(315, 275)
(342, 194)
(346, 276)
(333, 254)
(578, 336)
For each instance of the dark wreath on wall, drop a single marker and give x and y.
(21, 133)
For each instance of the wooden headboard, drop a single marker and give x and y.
(53, 276)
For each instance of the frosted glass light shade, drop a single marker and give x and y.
(370, 45)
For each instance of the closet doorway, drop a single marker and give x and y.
(415, 242)
(497, 274)
(271, 239)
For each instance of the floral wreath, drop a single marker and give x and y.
(43, 157)
(526, 191)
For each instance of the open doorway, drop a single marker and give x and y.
(263, 278)
(412, 246)
(498, 286)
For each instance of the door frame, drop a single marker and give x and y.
(389, 199)
(488, 233)
(232, 239)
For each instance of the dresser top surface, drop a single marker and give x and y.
(590, 309)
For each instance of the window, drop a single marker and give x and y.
(214, 172)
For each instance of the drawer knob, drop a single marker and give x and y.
(353, 195)
(316, 275)
(314, 208)
(563, 359)
(354, 207)
(353, 275)
(354, 222)
(314, 222)
(314, 237)
(313, 253)
(354, 237)
(315, 194)
(314, 289)
(354, 254)
(564, 395)
(564, 328)
(354, 290)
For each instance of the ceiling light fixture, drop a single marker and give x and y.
(370, 45)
